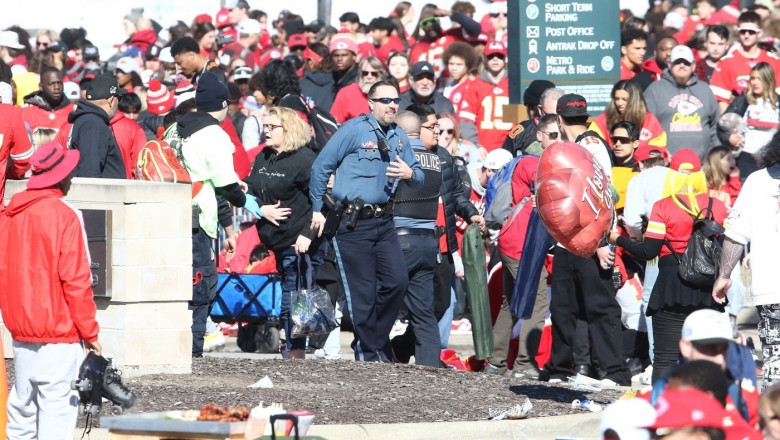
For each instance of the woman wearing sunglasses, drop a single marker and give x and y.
(450, 139)
(280, 181)
(628, 104)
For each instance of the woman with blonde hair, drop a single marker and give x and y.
(668, 232)
(760, 118)
(628, 104)
(280, 181)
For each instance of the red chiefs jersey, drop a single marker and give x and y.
(14, 144)
(732, 73)
(483, 106)
(36, 116)
(669, 221)
(457, 93)
(432, 52)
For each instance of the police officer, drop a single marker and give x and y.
(370, 156)
(415, 220)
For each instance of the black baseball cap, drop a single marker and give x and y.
(572, 106)
(422, 68)
(103, 87)
(90, 53)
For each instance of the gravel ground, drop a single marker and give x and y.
(347, 392)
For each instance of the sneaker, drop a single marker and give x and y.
(531, 374)
(319, 353)
(646, 378)
(214, 341)
(490, 369)
(462, 327)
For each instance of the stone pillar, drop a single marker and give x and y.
(144, 320)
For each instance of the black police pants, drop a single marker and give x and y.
(581, 288)
(420, 253)
(375, 281)
(204, 287)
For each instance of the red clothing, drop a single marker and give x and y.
(668, 221)
(36, 116)
(432, 51)
(483, 106)
(366, 49)
(130, 137)
(349, 102)
(143, 39)
(392, 45)
(14, 144)
(240, 159)
(627, 72)
(457, 94)
(651, 66)
(511, 238)
(45, 278)
(732, 73)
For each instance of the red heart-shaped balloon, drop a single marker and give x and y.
(573, 197)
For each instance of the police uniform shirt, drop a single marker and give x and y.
(418, 207)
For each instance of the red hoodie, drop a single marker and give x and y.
(130, 137)
(512, 235)
(143, 39)
(14, 144)
(651, 66)
(45, 278)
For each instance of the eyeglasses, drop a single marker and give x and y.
(551, 134)
(374, 73)
(621, 139)
(434, 128)
(387, 101)
(429, 22)
(42, 44)
(271, 127)
(749, 31)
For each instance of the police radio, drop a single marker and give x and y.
(384, 147)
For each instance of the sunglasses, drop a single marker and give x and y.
(494, 55)
(449, 131)
(366, 73)
(387, 101)
(551, 134)
(41, 44)
(498, 14)
(429, 22)
(621, 139)
(749, 31)
(271, 127)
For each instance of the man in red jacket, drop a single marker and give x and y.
(46, 297)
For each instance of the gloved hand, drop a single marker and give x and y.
(252, 207)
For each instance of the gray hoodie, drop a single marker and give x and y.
(689, 114)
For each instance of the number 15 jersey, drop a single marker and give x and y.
(483, 106)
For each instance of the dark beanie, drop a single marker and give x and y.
(211, 94)
(534, 92)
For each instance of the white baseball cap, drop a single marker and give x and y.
(250, 27)
(682, 53)
(497, 159)
(127, 65)
(10, 39)
(707, 326)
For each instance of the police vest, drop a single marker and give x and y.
(423, 202)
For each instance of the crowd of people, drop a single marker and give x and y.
(363, 153)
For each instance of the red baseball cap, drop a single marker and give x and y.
(223, 18)
(685, 160)
(495, 47)
(688, 407)
(51, 164)
(644, 152)
(202, 18)
(297, 40)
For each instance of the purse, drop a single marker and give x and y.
(311, 309)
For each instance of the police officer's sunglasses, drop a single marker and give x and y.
(387, 101)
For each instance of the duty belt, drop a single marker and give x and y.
(368, 210)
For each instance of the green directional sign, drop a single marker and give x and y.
(576, 45)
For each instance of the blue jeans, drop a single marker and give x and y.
(294, 278)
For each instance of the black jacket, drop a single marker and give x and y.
(92, 136)
(342, 80)
(520, 137)
(151, 124)
(283, 177)
(37, 99)
(455, 200)
(318, 86)
(437, 101)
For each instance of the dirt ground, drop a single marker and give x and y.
(347, 392)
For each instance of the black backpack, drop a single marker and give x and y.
(324, 125)
(700, 263)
